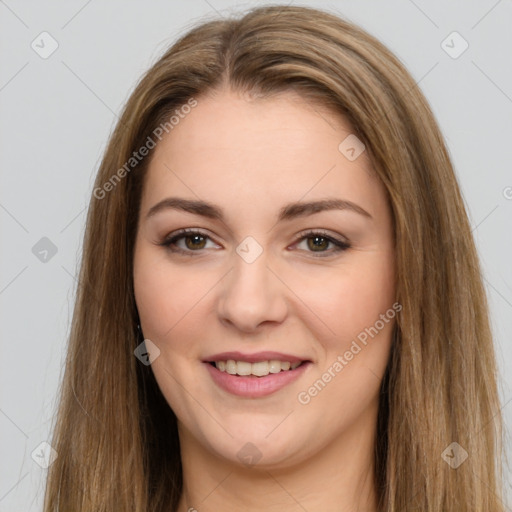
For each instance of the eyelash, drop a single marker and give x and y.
(339, 245)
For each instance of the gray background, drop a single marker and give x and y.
(56, 116)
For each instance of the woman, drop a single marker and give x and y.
(281, 306)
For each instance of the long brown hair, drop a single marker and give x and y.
(116, 436)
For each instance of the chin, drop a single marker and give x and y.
(260, 446)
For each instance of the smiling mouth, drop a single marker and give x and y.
(258, 369)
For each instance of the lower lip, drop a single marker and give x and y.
(251, 386)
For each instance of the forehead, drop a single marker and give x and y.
(234, 149)
(225, 120)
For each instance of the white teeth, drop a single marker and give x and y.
(230, 367)
(275, 366)
(243, 368)
(260, 369)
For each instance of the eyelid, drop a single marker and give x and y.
(322, 232)
(340, 244)
(182, 233)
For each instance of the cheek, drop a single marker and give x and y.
(154, 304)
(170, 301)
(358, 308)
(350, 299)
(156, 294)
(366, 295)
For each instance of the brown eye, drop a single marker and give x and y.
(317, 243)
(322, 244)
(196, 241)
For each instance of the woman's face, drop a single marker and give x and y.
(289, 260)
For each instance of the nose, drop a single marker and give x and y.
(252, 295)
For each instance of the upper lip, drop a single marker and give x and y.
(254, 358)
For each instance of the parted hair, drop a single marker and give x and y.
(116, 436)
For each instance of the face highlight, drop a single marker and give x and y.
(262, 255)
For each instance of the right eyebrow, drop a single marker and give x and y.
(188, 205)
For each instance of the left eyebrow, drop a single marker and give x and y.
(294, 210)
(286, 213)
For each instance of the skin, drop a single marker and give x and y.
(250, 157)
